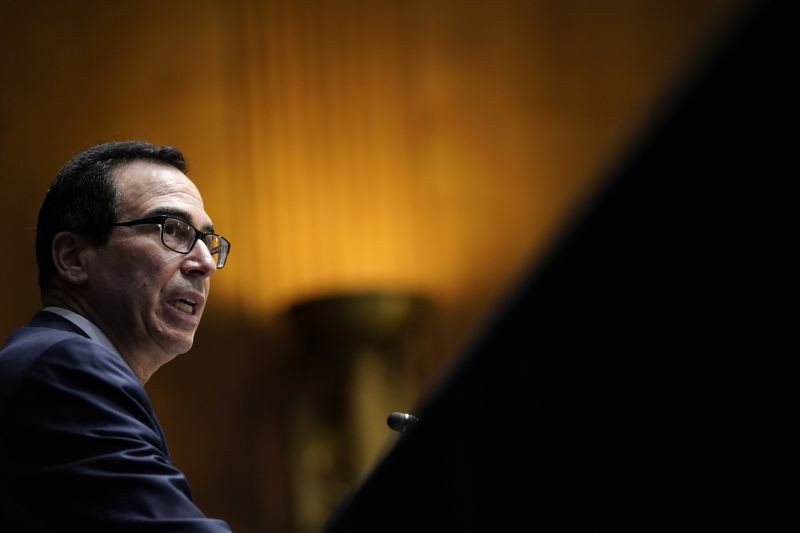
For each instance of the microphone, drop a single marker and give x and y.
(402, 422)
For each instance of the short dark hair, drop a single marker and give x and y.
(83, 197)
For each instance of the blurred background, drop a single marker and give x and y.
(386, 171)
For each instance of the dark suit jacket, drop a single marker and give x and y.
(80, 447)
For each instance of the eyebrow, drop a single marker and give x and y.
(179, 214)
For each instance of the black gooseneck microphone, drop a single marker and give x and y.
(402, 422)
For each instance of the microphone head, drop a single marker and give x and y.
(401, 422)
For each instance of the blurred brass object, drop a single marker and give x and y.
(351, 369)
(359, 320)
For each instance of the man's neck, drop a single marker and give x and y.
(61, 299)
(88, 327)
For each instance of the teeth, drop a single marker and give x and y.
(185, 306)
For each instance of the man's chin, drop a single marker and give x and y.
(178, 343)
(185, 347)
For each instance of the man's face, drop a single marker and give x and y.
(149, 299)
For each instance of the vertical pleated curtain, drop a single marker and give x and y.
(432, 147)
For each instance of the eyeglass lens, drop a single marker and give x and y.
(180, 236)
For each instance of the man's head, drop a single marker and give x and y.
(83, 198)
(143, 282)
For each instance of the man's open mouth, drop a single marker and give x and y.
(185, 305)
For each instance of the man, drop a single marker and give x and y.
(125, 252)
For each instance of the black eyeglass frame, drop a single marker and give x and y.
(198, 235)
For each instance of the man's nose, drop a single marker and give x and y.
(199, 261)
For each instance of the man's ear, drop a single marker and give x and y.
(70, 257)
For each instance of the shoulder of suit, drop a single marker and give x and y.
(45, 349)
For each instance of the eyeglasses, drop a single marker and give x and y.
(180, 236)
